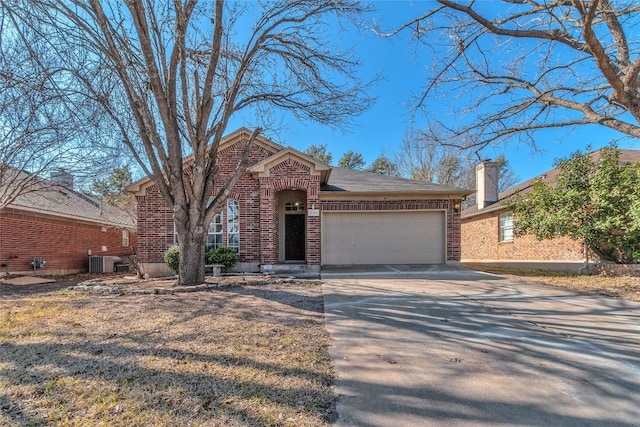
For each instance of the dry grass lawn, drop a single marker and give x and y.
(236, 356)
(623, 287)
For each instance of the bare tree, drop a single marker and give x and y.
(523, 66)
(43, 127)
(170, 75)
(423, 158)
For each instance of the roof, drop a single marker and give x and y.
(138, 187)
(47, 198)
(353, 181)
(504, 197)
(334, 180)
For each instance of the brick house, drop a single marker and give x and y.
(487, 227)
(62, 227)
(289, 212)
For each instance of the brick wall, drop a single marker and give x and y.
(452, 216)
(288, 175)
(247, 192)
(155, 226)
(480, 242)
(61, 243)
(155, 218)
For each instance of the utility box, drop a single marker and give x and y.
(101, 264)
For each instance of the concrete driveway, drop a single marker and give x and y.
(450, 347)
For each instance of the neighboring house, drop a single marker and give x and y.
(487, 227)
(289, 212)
(63, 227)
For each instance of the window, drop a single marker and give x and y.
(233, 225)
(175, 234)
(214, 236)
(294, 206)
(506, 227)
(125, 238)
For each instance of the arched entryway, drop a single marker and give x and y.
(292, 231)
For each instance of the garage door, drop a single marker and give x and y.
(383, 238)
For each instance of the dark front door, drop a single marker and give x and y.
(294, 237)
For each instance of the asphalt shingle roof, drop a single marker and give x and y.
(626, 156)
(348, 180)
(52, 199)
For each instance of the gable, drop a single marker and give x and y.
(289, 160)
(229, 144)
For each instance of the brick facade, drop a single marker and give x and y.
(258, 198)
(63, 244)
(155, 226)
(480, 245)
(274, 173)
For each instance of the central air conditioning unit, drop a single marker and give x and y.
(102, 264)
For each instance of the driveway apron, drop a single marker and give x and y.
(479, 350)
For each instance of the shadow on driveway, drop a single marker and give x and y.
(480, 351)
(430, 271)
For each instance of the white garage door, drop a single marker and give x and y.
(383, 238)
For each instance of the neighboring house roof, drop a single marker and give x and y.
(353, 181)
(47, 198)
(505, 197)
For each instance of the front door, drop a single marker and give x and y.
(294, 237)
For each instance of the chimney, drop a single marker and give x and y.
(62, 178)
(487, 183)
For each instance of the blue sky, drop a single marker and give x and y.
(403, 68)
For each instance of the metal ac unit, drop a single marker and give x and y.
(101, 264)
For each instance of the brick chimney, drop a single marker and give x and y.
(487, 183)
(62, 178)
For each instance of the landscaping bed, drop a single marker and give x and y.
(250, 354)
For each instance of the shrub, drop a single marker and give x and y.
(223, 255)
(172, 258)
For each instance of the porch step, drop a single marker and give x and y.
(297, 270)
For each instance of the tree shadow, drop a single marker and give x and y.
(7, 290)
(147, 362)
(295, 299)
(491, 329)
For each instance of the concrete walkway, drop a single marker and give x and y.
(456, 349)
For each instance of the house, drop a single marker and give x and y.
(290, 212)
(487, 227)
(62, 227)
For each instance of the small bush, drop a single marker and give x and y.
(223, 255)
(172, 258)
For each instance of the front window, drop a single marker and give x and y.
(125, 238)
(233, 225)
(214, 235)
(506, 227)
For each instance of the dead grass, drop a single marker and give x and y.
(236, 356)
(622, 287)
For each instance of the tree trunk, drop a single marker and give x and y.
(191, 258)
